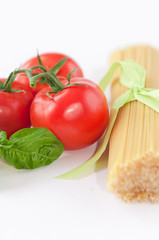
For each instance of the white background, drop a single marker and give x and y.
(33, 205)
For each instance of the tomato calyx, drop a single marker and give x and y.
(48, 76)
(7, 85)
(29, 73)
(54, 83)
(45, 78)
(52, 80)
(54, 70)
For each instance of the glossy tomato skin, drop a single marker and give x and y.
(77, 115)
(15, 109)
(49, 60)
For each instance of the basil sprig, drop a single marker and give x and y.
(30, 148)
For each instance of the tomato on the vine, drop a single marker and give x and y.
(15, 101)
(48, 60)
(77, 115)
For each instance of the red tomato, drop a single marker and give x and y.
(77, 115)
(15, 109)
(49, 60)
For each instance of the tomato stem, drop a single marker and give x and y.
(8, 83)
(28, 72)
(69, 75)
(52, 80)
(7, 86)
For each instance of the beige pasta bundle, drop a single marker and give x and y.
(133, 164)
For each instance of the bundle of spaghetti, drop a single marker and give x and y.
(133, 164)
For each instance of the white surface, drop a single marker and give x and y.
(33, 205)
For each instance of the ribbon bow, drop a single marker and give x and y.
(132, 76)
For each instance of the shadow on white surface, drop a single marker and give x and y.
(12, 178)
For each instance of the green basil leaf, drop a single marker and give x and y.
(4, 142)
(32, 148)
(3, 136)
